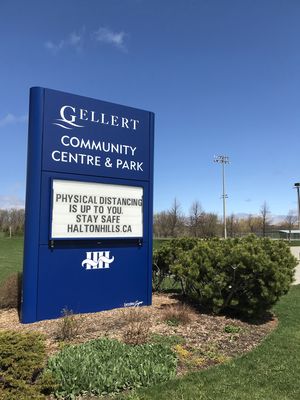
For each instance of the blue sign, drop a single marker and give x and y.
(88, 227)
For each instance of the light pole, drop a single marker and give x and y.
(221, 159)
(9, 222)
(297, 186)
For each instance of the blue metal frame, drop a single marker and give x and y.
(32, 220)
(53, 277)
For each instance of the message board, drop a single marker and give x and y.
(96, 210)
(89, 195)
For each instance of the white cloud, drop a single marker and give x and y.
(74, 40)
(106, 35)
(11, 201)
(9, 119)
(55, 47)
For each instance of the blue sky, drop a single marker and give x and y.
(221, 76)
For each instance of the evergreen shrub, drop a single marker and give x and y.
(165, 256)
(245, 275)
(22, 359)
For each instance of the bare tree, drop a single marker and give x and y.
(169, 223)
(232, 225)
(290, 221)
(12, 221)
(211, 225)
(251, 223)
(176, 219)
(161, 224)
(196, 219)
(265, 220)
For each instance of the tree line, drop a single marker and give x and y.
(174, 223)
(199, 223)
(12, 221)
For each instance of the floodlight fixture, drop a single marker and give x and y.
(221, 159)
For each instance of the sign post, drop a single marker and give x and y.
(88, 228)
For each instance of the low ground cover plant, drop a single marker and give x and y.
(232, 329)
(246, 275)
(166, 340)
(104, 366)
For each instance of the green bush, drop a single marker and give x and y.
(22, 359)
(245, 275)
(105, 366)
(166, 255)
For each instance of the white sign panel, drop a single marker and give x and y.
(96, 210)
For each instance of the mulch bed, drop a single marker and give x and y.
(203, 332)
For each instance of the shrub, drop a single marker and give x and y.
(10, 291)
(177, 314)
(137, 326)
(165, 256)
(22, 359)
(246, 275)
(106, 366)
(68, 325)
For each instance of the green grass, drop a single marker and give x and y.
(11, 256)
(294, 243)
(270, 372)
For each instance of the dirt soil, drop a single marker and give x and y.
(206, 333)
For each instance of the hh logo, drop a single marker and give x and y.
(97, 260)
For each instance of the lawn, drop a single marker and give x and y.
(11, 256)
(294, 243)
(270, 372)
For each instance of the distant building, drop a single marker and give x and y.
(293, 234)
